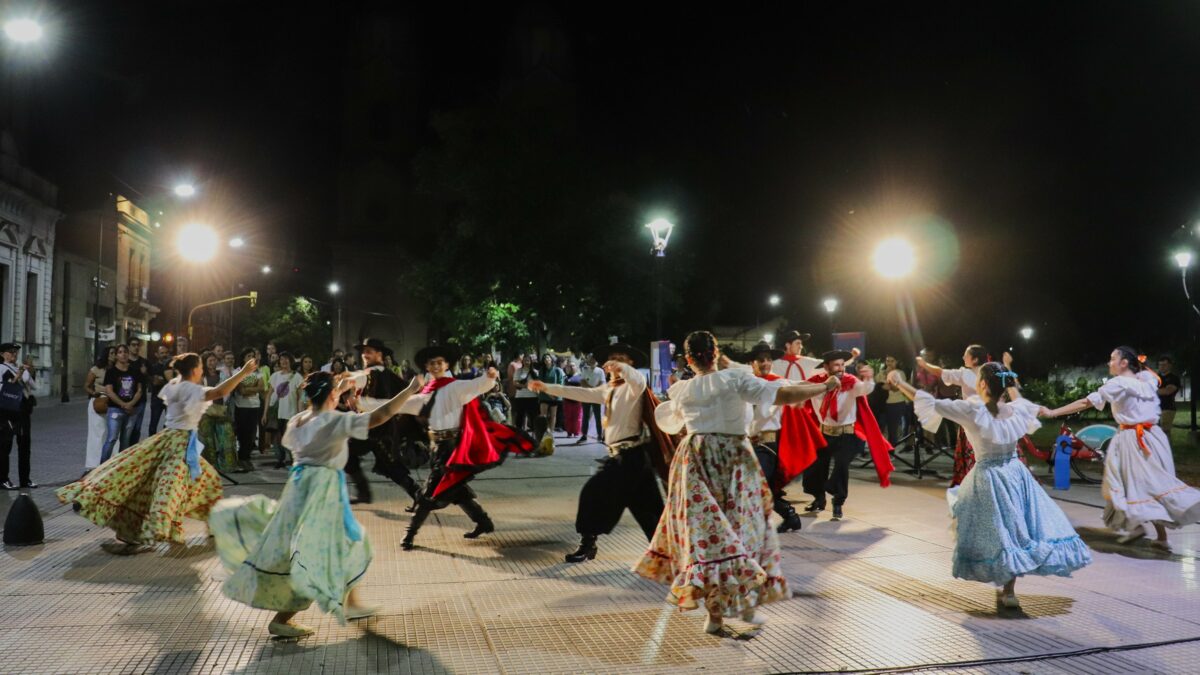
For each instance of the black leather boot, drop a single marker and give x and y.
(483, 524)
(586, 551)
(791, 519)
(414, 526)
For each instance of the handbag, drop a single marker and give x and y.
(100, 405)
(12, 397)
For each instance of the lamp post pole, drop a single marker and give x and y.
(1184, 260)
(660, 229)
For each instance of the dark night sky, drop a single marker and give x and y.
(1059, 146)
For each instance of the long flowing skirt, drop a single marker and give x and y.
(1006, 526)
(1140, 489)
(216, 433)
(97, 428)
(284, 555)
(144, 493)
(714, 542)
(572, 416)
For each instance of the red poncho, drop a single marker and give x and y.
(482, 443)
(865, 426)
(799, 439)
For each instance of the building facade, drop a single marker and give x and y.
(28, 222)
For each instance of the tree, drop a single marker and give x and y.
(293, 323)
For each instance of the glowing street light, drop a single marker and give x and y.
(266, 269)
(774, 300)
(767, 337)
(237, 242)
(660, 229)
(1183, 259)
(185, 190)
(831, 305)
(1026, 332)
(894, 258)
(197, 243)
(23, 31)
(334, 288)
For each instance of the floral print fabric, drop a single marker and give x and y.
(144, 493)
(714, 542)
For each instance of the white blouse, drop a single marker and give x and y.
(1134, 399)
(448, 406)
(964, 378)
(321, 438)
(989, 436)
(185, 404)
(715, 403)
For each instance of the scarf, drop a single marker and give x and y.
(793, 360)
(865, 426)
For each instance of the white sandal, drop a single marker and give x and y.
(288, 630)
(713, 626)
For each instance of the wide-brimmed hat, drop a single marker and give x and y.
(793, 335)
(762, 348)
(639, 358)
(835, 354)
(376, 344)
(448, 352)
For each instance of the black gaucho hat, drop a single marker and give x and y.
(376, 344)
(763, 348)
(792, 336)
(639, 358)
(835, 354)
(448, 352)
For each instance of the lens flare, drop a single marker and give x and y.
(894, 258)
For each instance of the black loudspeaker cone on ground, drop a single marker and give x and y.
(23, 526)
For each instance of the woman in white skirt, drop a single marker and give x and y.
(1140, 487)
(97, 427)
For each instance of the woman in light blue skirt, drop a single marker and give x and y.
(306, 547)
(1005, 524)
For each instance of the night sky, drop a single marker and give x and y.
(1045, 159)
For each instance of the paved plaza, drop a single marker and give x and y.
(873, 592)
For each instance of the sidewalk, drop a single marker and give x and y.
(872, 592)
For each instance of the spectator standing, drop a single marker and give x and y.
(215, 427)
(591, 376)
(138, 363)
(97, 428)
(525, 402)
(272, 355)
(307, 367)
(896, 404)
(1168, 388)
(156, 376)
(16, 424)
(550, 374)
(247, 402)
(510, 381)
(266, 434)
(125, 387)
(338, 355)
(284, 401)
(181, 345)
(572, 410)
(407, 372)
(466, 368)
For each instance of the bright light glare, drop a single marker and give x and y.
(155, 336)
(773, 300)
(830, 305)
(23, 30)
(660, 229)
(894, 258)
(334, 288)
(197, 243)
(266, 269)
(1183, 259)
(767, 337)
(185, 190)
(1026, 332)
(237, 242)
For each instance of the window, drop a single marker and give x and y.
(32, 295)
(5, 308)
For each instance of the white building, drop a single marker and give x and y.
(28, 218)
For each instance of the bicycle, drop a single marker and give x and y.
(1087, 445)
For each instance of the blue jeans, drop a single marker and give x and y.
(135, 424)
(117, 421)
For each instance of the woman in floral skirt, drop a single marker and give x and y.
(144, 493)
(714, 543)
(307, 546)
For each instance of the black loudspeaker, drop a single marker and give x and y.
(23, 526)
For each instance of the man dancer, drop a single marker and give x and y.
(785, 439)
(965, 379)
(793, 364)
(376, 385)
(846, 422)
(626, 480)
(463, 441)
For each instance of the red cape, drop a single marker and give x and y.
(866, 428)
(482, 443)
(799, 439)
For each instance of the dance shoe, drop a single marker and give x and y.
(586, 551)
(1131, 536)
(713, 625)
(288, 630)
(837, 512)
(1007, 600)
(814, 508)
(361, 612)
(480, 529)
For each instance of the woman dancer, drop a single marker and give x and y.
(1140, 486)
(1006, 526)
(714, 542)
(307, 546)
(144, 493)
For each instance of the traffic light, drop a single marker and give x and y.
(253, 298)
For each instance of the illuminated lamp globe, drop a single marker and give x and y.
(197, 243)
(894, 258)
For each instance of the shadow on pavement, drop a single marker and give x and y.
(1105, 541)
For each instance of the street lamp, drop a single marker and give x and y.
(237, 242)
(23, 31)
(831, 305)
(1027, 332)
(185, 190)
(660, 229)
(1184, 260)
(266, 269)
(334, 289)
(774, 300)
(894, 258)
(197, 243)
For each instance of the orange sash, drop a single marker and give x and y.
(1140, 428)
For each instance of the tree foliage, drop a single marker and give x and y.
(293, 323)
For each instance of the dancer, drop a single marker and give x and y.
(846, 422)
(785, 439)
(626, 479)
(144, 493)
(793, 365)
(714, 542)
(1006, 526)
(465, 442)
(375, 385)
(307, 546)
(1140, 487)
(965, 379)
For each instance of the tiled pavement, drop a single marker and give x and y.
(873, 592)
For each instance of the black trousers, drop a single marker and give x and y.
(768, 460)
(525, 411)
(385, 465)
(593, 410)
(157, 408)
(15, 426)
(245, 427)
(625, 481)
(461, 494)
(839, 452)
